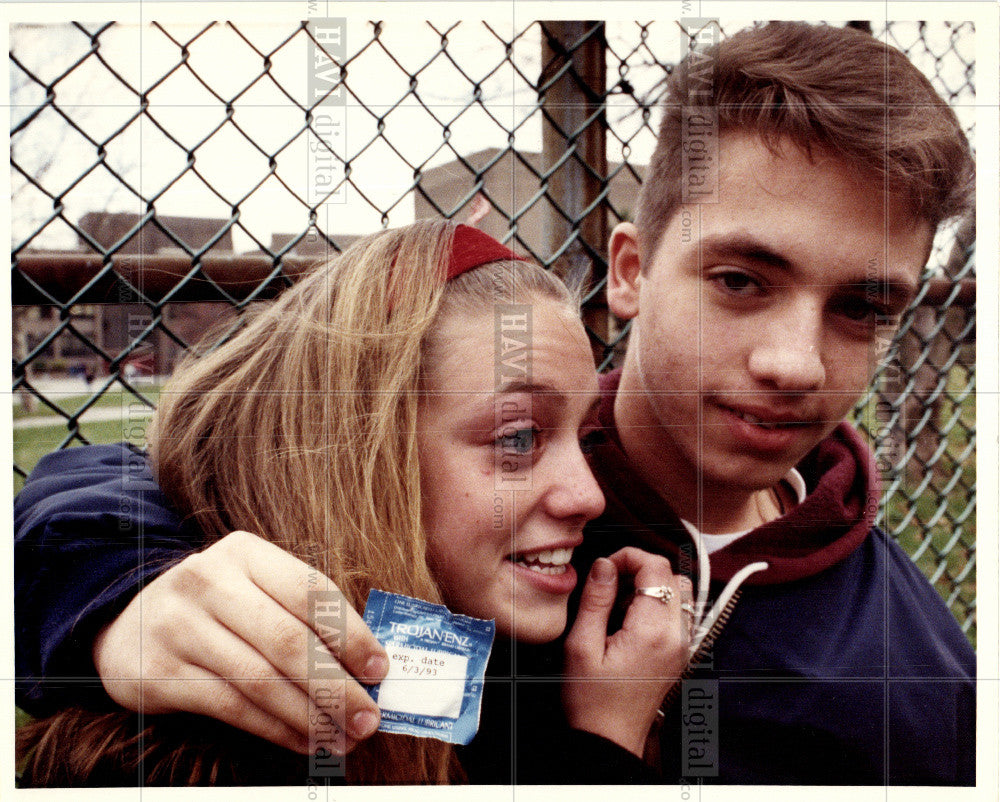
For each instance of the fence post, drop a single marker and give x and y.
(571, 91)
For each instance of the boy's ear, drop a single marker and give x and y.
(624, 271)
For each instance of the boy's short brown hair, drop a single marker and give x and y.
(836, 89)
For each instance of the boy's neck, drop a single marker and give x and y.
(711, 508)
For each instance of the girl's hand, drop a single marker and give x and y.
(226, 633)
(614, 684)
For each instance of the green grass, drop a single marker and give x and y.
(930, 510)
(71, 404)
(31, 444)
(20, 717)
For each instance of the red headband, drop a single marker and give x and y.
(472, 248)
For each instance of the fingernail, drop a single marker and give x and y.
(376, 668)
(363, 723)
(602, 571)
(327, 749)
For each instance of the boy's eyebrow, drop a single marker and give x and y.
(744, 246)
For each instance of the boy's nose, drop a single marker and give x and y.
(790, 370)
(789, 357)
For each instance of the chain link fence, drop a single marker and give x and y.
(153, 196)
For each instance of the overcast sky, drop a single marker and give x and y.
(146, 158)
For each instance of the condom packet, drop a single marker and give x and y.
(437, 667)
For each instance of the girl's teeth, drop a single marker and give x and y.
(548, 570)
(549, 561)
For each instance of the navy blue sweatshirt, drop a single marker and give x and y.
(839, 664)
(91, 526)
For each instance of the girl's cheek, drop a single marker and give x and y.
(500, 513)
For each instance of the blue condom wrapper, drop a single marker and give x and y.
(437, 667)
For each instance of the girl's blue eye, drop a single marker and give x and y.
(519, 441)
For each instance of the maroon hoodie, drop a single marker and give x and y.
(836, 516)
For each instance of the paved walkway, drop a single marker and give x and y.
(59, 388)
(90, 416)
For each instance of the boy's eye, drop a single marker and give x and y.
(737, 282)
(860, 310)
(519, 441)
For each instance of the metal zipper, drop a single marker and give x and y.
(706, 646)
(651, 752)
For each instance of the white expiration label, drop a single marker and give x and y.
(422, 682)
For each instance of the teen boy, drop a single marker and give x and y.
(759, 290)
(757, 318)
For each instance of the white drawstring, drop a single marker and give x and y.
(704, 578)
(704, 621)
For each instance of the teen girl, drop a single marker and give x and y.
(354, 427)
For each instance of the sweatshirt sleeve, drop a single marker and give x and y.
(575, 757)
(551, 752)
(91, 527)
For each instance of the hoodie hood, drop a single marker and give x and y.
(835, 518)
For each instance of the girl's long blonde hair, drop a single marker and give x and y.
(303, 430)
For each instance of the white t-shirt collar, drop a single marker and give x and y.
(713, 543)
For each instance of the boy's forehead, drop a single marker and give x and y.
(776, 201)
(778, 170)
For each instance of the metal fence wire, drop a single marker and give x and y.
(155, 195)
